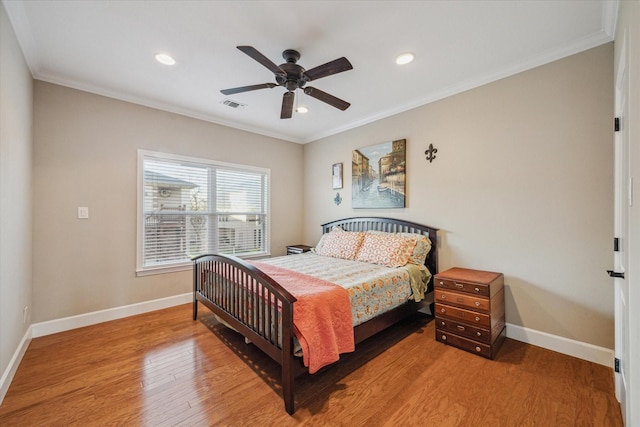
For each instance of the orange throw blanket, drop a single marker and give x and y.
(322, 318)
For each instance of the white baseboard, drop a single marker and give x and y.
(581, 350)
(12, 368)
(73, 322)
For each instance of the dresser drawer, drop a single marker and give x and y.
(464, 315)
(463, 300)
(464, 343)
(469, 331)
(472, 288)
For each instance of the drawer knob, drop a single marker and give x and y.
(478, 348)
(444, 337)
(443, 310)
(477, 304)
(477, 289)
(478, 333)
(443, 323)
(443, 296)
(441, 282)
(477, 319)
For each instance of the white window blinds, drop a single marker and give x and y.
(192, 206)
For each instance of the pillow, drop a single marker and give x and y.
(387, 249)
(337, 228)
(422, 248)
(340, 244)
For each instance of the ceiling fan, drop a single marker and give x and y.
(292, 76)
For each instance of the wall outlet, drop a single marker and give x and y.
(25, 314)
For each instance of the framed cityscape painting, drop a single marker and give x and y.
(379, 176)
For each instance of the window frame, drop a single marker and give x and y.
(142, 270)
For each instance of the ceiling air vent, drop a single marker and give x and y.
(233, 104)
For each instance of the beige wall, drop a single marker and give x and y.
(522, 184)
(16, 95)
(86, 155)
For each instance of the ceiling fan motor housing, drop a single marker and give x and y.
(294, 74)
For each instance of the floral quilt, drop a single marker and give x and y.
(373, 289)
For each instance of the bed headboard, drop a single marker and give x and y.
(391, 225)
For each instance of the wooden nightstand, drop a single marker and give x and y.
(297, 249)
(470, 310)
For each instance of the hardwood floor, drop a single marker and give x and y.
(164, 369)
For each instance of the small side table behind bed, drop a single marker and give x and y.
(297, 249)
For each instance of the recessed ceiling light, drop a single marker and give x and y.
(165, 59)
(302, 110)
(404, 58)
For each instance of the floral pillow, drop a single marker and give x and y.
(340, 244)
(320, 243)
(337, 229)
(421, 249)
(387, 249)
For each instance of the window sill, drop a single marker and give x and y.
(150, 271)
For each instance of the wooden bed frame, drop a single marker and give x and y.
(243, 297)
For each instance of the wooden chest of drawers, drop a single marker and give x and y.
(469, 310)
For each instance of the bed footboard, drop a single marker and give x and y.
(253, 304)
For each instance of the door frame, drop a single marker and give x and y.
(626, 46)
(621, 232)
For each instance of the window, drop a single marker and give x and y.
(188, 207)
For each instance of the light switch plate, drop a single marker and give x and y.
(83, 212)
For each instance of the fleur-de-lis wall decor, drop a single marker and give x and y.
(431, 153)
(337, 200)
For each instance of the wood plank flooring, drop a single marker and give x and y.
(164, 369)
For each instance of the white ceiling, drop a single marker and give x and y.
(108, 47)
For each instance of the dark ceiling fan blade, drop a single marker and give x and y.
(248, 88)
(252, 52)
(334, 67)
(325, 97)
(287, 105)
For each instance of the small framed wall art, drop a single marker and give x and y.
(337, 175)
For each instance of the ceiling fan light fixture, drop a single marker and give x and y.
(405, 58)
(302, 109)
(165, 58)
